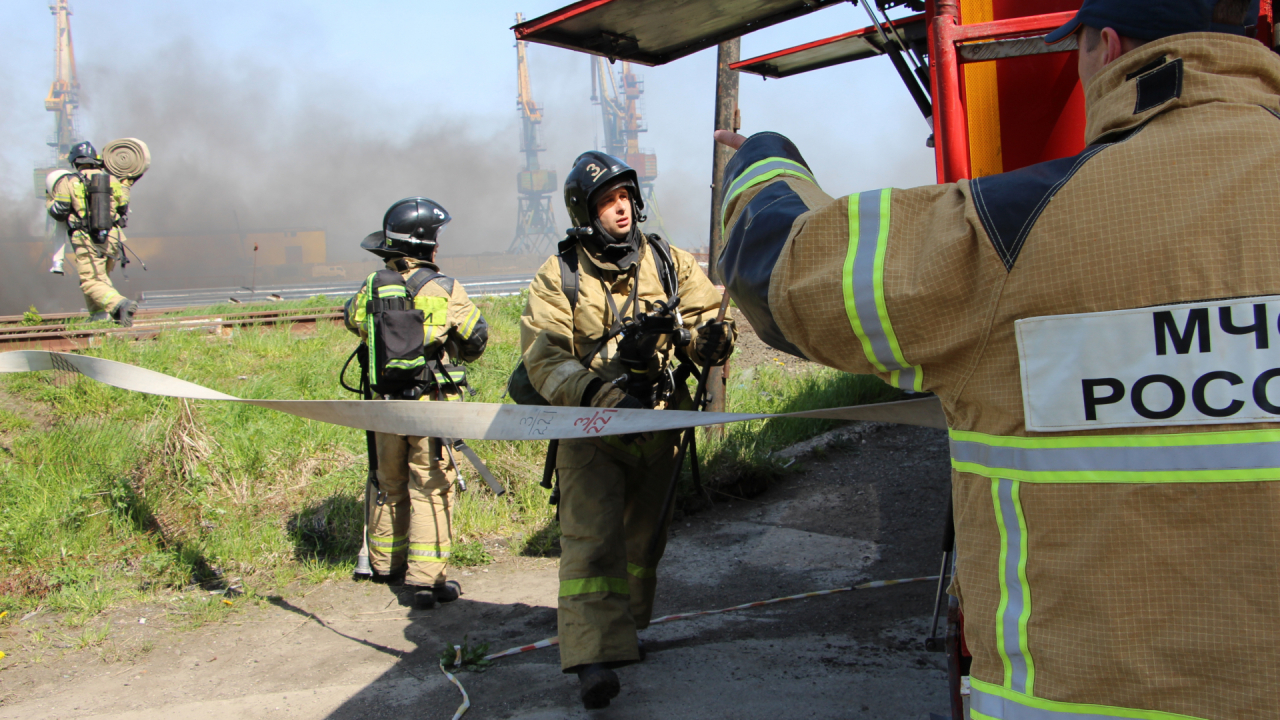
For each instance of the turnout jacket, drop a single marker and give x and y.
(1126, 571)
(71, 194)
(451, 321)
(555, 337)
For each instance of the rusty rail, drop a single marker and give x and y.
(149, 324)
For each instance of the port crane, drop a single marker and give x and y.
(619, 99)
(536, 230)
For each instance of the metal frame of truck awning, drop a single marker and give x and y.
(835, 50)
(654, 32)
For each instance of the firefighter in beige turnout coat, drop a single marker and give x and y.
(94, 261)
(1097, 329)
(611, 489)
(411, 531)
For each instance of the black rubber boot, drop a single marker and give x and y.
(599, 685)
(423, 597)
(123, 312)
(447, 592)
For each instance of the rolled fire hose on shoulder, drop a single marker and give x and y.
(467, 421)
(126, 158)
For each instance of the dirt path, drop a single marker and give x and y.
(870, 508)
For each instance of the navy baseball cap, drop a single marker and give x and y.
(1140, 19)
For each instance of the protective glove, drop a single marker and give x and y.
(610, 396)
(714, 343)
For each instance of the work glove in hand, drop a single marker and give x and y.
(610, 396)
(713, 344)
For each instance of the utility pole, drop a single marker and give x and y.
(727, 118)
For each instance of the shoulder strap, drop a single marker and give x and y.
(568, 255)
(422, 276)
(385, 277)
(666, 264)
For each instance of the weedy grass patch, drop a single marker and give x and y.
(108, 496)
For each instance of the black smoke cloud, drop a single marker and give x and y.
(232, 148)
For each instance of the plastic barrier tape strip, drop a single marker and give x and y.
(469, 421)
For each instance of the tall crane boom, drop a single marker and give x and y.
(535, 219)
(619, 99)
(64, 94)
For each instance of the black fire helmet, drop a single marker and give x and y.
(591, 172)
(409, 229)
(83, 153)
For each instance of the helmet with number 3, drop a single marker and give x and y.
(592, 172)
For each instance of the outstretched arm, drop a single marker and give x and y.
(875, 282)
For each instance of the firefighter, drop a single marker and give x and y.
(612, 489)
(1097, 328)
(410, 526)
(98, 241)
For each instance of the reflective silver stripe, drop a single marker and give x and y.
(864, 281)
(1218, 456)
(907, 378)
(994, 706)
(1011, 586)
(743, 180)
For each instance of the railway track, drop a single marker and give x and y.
(59, 334)
(148, 324)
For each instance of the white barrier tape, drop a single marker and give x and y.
(468, 421)
(552, 641)
(466, 699)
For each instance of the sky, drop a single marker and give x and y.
(289, 114)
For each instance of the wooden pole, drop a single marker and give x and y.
(727, 118)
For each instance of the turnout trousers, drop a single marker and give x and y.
(413, 525)
(94, 262)
(609, 509)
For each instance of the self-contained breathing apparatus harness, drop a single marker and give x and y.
(637, 345)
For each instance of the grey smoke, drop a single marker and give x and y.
(230, 142)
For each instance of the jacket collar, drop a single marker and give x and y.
(610, 267)
(1177, 72)
(405, 264)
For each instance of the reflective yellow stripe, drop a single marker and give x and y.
(992, 702)
(406, 364)
(430, 551)
(1014, 610)
(1231, 456)
(862, 283)
(641, 573)
(470, 324)
(761, 172)
(582, 586)
(389, 543)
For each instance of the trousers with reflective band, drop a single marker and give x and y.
(609, 509)
(991, 702)
(863, 286)
(1229, 456)
(415, 519)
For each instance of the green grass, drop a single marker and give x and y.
(110, 496)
